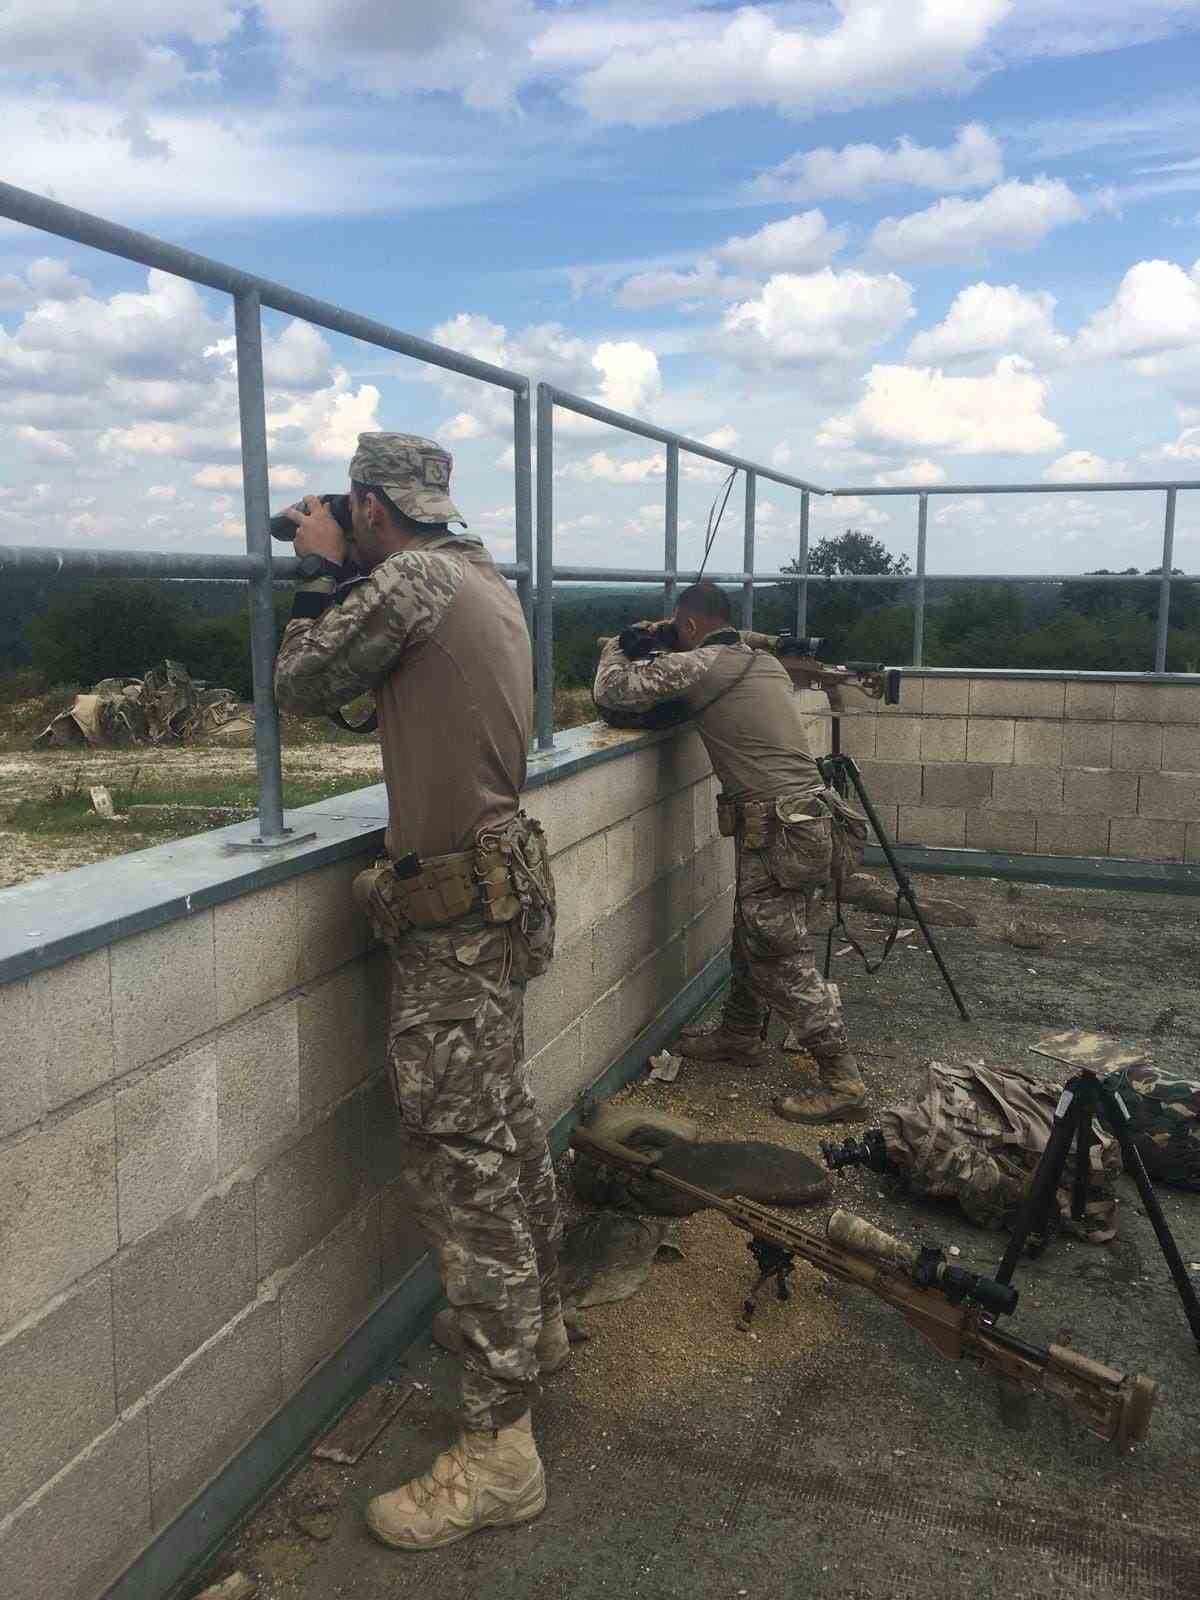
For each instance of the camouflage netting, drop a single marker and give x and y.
(164, 707)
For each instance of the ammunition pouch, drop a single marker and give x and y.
(442, 891)
(794, 833)
(849, 835)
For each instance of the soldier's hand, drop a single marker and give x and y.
(317, 532)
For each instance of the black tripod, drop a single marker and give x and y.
(1085, 1096)
(841, 772)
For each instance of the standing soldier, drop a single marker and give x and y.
(465, 900)
(745, 711)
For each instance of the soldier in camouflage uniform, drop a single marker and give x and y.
(744, 709)
(436, 633)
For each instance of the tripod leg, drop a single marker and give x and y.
(1083, 1164)
(1118, 1121)
(902, 882)
(1033, 1217)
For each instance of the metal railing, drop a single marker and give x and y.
(251, 294)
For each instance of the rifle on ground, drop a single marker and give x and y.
(951, 1308)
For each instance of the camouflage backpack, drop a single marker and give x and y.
(976, 1136)
(1165, 1122)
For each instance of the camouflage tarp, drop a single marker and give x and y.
(976, 1136)
(165, 706)
(1165, 1116)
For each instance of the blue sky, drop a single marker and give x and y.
(871, 241)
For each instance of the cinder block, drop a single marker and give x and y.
(682, 762)
(1017, 697)
(1090, 702)
(58, 1208)
(888, 816)
(892, 785)
(620, 1015)
(1174, 796)
(704, 807)
(579, 880)
(1087, 744)
(556, 1073)
(163, 989)
(332, 930)
(898, 739)
(72, 1541)
(946, 697)
(402, 1242)
(640, 926)
(258, 1095)
(859, 737)
(712, 871)
(676, 831)
(384, 1147)
(342, 1035)
(1038, 744)
(629, 856)
(943, 739)
(1145, 839)
(1001, 830)
(58, 1040)
(1177, 703)
(1099, 794)
(595, 799)
(1192, 842)
(710, 932)
(56, 1389)
(1072, 836)
(1181, 750)
(174, 1289)
(1137, 746)
(166, 1141)
(211, 1407)
(955, 786)
(990, 740)
(1026, 789)
(935, 825)
(563, 994)
(330, 1292)
(257, 944)
(302, 1195)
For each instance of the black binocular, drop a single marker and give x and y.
(638, 643)
(338, 506)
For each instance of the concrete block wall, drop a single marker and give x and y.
(1102, 767)
(199, 1195)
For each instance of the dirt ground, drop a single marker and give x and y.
(833, 1455)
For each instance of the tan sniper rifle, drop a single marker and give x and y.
(951, 1308)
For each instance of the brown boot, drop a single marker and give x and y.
(740, 1047)
(842, 1096)
(485, 1480)
(552, 1351)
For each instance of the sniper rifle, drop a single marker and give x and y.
(951, 1308)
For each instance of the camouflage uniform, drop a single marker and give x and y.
(438, 636)
(1164, 1119)
(773, 962)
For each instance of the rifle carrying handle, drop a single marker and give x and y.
(593, 1145)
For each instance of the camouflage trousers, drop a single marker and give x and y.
(477, 1168)
(773, 963)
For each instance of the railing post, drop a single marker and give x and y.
(802, 586)
(671, 529)
(545, 567)
(748, 552)
(523, 500)
(256, 497)
(1164, 586)
(919, 597)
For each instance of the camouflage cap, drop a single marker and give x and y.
(414, 473)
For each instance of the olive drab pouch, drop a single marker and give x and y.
(512, 864)
(438, 891)
(799, 852)
(849, 839)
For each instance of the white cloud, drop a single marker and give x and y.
(1012, 216)
(924, 408)
(44, 446)
(120, 46)
(855, 171)
(679, 65)
(801, 243)
(988, 319)
(162, 491)
(1156, 309)
(921, 473)
(815, 319)
(47, 278)
(218, 478)
(693, 286)
(461, 426)
(1185, 448)
(601, 467)
(1084, 466)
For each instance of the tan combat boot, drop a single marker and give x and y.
(842, 1096)
(486, 1480)
(742, 1047)
(553, 1350)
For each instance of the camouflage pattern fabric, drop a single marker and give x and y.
(478, 1171)
(412, 471)
(976, 1136)
(163, 707)
(1164, 1117)
(773, 963)
(356, 643)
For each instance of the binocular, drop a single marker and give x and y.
(338, 506)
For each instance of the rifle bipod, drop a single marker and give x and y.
(774, 1264)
